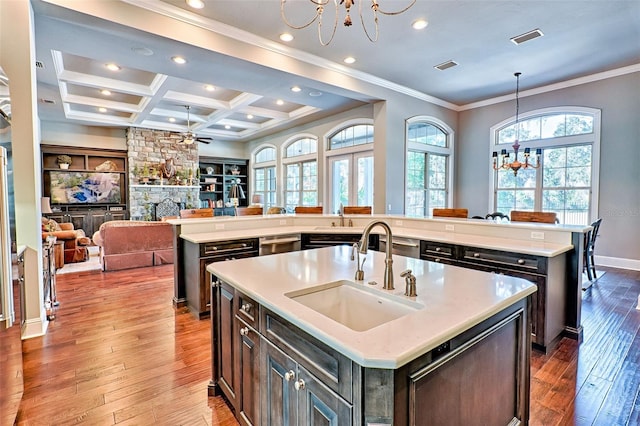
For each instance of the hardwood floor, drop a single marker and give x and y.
(118, 353)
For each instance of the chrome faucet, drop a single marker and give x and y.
(388, 261)
(341, 214)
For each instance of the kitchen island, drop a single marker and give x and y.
(457, 353)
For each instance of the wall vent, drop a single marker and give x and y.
(527, 36)
(446, 65)
(39, 64)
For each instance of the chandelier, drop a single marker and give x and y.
(319, 6)
(516, 165)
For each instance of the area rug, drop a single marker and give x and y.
(93, 264)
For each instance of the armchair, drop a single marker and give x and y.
(75, 240)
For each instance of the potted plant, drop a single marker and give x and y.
(64, 161)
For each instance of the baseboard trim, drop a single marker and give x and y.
(617, 262)
(34, 328)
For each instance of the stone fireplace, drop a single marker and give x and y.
(151, 148)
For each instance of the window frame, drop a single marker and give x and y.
(448, 152)
(354, 151)
(556, 142)
(264, 165)
(300, 160)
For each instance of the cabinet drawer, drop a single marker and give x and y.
(438, 252)
(505, 260)
(228, 248)
(332, 368)
(247, 309)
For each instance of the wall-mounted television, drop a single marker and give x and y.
(85, 188)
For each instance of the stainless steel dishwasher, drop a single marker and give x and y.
(279, 244)
(409, 247)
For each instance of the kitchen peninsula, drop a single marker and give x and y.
(457, 353)
(550, 256)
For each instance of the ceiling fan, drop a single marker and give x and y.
(189, 137)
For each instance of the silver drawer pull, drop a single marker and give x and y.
(244, 244)
(520, 261)
(476, 255)
(289, 375)
(214, 248)
(299, 385)
(437, 259)
(244, 331)
(438, 249)
(246, 307)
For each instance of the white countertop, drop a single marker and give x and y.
(533, 247)
(454, 299)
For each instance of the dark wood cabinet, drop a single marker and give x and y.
(547, 316)
(293, 396)
(237, 355)
(93, 201)
(217, 175)
(89, 220)
(195, 259)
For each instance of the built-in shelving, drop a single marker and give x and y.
(217, 175)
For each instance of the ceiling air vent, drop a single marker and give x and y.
(39, 64)
(446, 65)
(527, 36)
(47, 101)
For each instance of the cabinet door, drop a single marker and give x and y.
(227, 344)
(80, 220)
(248, 368)
(279, 397)
(317, 404)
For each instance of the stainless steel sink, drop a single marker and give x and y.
(353, 305)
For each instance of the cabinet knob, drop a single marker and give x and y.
(438, 249)
(289, 375)
(437, 259)
(246, 307)
(476, 255)
(244, 331)
(214, 248)
(520, 261)
(299, 385)
(244, 245)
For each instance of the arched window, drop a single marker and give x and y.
(429, 160)
(264, 175)
(567, 180)
(301, 172)
(350, 164)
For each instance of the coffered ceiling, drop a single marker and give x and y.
(236, 97)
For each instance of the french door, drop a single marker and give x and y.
(351, 180)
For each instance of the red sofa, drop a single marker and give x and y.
(133, 244)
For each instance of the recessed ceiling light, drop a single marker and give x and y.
(315, 93)
(286, 37)
(280, 102)
(349, 60)
(196, 4)
(106, 92)
(296, 89)
(227, 127)
(113, 67)
(210, 88)
(102, 109)
(250, 116)
(179, 60)
(419, 24)
(172, 120)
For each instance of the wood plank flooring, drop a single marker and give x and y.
(119, 353)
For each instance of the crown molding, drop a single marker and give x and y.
(556, 86)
